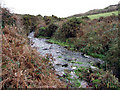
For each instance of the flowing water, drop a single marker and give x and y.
(63, 58)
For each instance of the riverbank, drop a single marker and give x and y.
(71, 47)
(22, 66)
(97, 38)
(71, 67)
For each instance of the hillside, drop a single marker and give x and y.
(22, 66)
(110, 8)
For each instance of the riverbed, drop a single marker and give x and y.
(63, 59)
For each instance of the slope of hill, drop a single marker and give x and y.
(96, 16)
(110, 8)
(22, 66)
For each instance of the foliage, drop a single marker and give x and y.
(51, 19)
(47, 31)
(47, 20)
(29, 21)
(22, 66)
(56, 18)
(61, 43)
(70, 28)
(51, 29)
(97, 38)
(7, 18)
(98, 79)
(85, 17)
(113, 58)
(42, 31)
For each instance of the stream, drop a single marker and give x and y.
(64, 59)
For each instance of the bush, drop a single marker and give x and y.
(47, 20)
(97, 78)
(86, 18)
(7, 18)
(42, 31)
(29, 22)
(30, 70)
(69, 29)
(51, 29)
(113, 58)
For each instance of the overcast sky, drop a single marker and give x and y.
(60, 8)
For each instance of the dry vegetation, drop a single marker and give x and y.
(22, 66)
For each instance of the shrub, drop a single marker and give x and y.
(86, 18)
(29, 22)
(56, 18)
(42, 31)
(113, 58)
(69, 28)
(7, 18)
(47, 20)
(97, 78)
(21, 61)
(51, 29)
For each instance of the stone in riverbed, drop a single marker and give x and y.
(57, 51)
(74, 59)
(60, 73)
(45, 48)
(68, 59)
(58, 64)
(51, 47)
(64, 65)
(65, 46)
(94, 69)
(73, 68)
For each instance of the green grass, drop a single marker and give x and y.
(59, 42)
(59, 56)
(71, 47)
(44, 37)
(77, 62)
(95, 55)
(96, 16)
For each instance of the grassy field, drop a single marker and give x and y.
(103, 15)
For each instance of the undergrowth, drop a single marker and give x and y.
(22, 66)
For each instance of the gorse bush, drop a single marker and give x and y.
(70, 28)
(113, 58)
(51, 19)
(7, 18)
(51, 29)
(86, 18)
(47, 31)
(29, 21)
(56, 18)
(47, 19)
(42, 31)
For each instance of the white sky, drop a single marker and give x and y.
(60, 8)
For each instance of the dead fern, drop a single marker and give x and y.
(22, 66)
